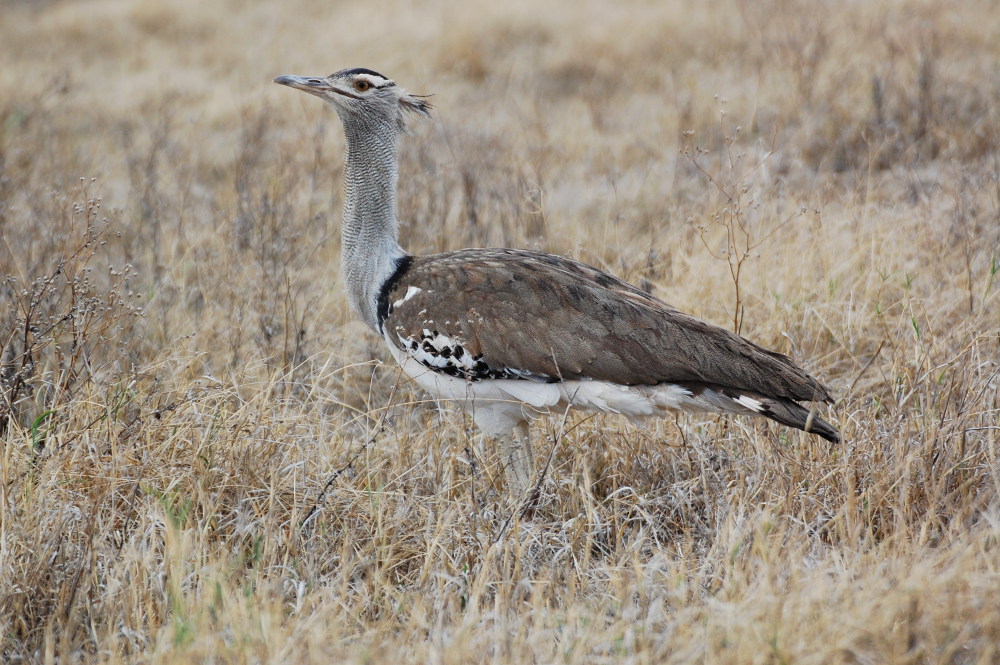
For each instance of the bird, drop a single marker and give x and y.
(512, 334)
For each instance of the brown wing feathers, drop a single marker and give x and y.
(556, 318)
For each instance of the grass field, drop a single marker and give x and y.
(181, 376)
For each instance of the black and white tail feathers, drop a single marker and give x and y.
(779, 409)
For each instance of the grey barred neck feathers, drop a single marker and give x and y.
(511, 333)
(372, 109)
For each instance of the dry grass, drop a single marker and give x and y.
(181, 377)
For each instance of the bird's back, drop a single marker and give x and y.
(504, 313)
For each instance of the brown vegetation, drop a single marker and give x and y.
(180, 377)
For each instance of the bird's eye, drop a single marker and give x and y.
(361, 86)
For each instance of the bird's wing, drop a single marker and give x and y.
(498, 313)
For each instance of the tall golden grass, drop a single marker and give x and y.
(183, 385)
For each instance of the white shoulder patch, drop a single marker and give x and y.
(410, 292)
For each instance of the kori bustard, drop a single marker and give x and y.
(511, 333)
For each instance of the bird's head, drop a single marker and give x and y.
(361, 95)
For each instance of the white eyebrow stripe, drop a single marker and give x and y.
(376, 81)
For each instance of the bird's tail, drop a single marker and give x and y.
(793, 414)
(710, 397)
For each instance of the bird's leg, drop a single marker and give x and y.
(518, 462)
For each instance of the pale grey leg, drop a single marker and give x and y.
(517, 459)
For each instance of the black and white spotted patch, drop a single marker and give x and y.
(445, 354)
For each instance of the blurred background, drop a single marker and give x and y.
(563, 127)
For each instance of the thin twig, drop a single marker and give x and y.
(865, 368)
(321, 497)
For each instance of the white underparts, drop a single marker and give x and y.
(498, 405)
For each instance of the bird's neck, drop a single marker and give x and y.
(370, 246)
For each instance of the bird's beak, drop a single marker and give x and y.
(317, 85)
